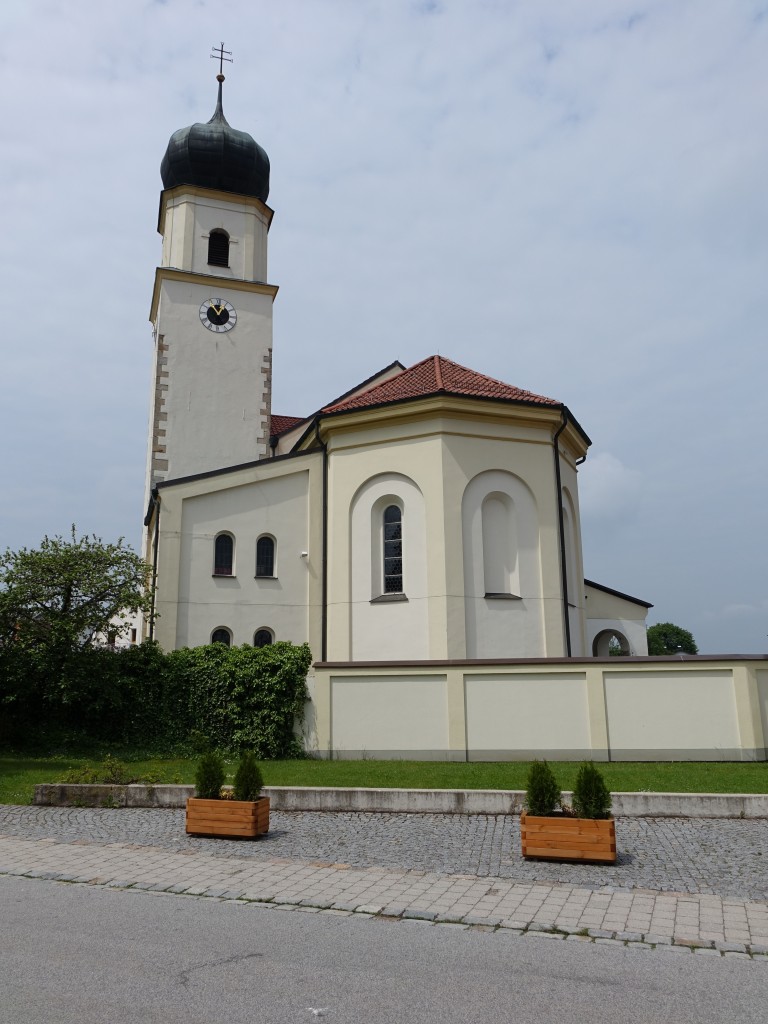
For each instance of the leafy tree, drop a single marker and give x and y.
(615, 650)
(60, 596)
(667, 638)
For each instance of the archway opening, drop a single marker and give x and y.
(610, 643)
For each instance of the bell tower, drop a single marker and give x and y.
(211, 305)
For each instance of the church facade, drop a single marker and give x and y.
(429, 512)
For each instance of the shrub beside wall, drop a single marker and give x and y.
(239, 697)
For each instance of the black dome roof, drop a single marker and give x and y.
(215, 155)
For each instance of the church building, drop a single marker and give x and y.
(427, 513)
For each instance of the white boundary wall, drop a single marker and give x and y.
(702, 708)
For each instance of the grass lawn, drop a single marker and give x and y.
(19, 774)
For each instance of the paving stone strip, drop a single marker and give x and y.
(638, 920)
(725, 857)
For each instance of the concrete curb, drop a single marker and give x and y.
(409, 801)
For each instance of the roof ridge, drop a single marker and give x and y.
(438, 372)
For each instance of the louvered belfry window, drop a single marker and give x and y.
(218, 249)
(393, 550)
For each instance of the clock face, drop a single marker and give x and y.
(218, 315)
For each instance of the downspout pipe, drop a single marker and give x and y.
(561, 525)
(324, 612)
(155, 553)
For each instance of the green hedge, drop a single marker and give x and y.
(230, 698)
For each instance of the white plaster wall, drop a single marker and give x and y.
(667, 710)
(527, 712)
(611, 611)
(495, 627)
(189, 220)
(242, 602)
(380, 627)
(216, 391)
(762, 697)
(575, 575)
(390, 714)
(522, 451)
(633, 630)
(646, 711)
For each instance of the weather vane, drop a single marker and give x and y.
(218, 54)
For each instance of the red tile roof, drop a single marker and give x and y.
(438, 375)
(279, 424)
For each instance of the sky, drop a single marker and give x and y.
(570, 197)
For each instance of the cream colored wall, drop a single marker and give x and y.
(377, 620)
(517, 711)
(761, 695)
(509, 566)
(362, 719)
(355, 461)
(216, 400)
(188, 219)
(440, 453)
(212, 400)
(663, 710)
(523, 450)
(614, 613)
(573, 558)
(281, 498)
(713, 709)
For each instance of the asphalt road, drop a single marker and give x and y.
(74, 953)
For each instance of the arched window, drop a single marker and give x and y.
(263, 637)
(221, 636)
(393, 550)
(218, 248)
(223, 554)
(265, 556)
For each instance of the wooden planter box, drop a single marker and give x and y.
(564, 838)
(239, 819)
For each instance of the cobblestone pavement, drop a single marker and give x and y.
(727, 857)
(463, 871)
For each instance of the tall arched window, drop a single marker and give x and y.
(263, 637)
(218, 248)
(221, 636)
(265, 556)
(393, 550)
(223, 554)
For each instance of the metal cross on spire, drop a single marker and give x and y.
(218, 54)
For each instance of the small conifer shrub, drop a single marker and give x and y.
(542, 791)
(210, 775)
(591, 798)
(248, 779)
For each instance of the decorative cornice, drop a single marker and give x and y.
(219, 284)
(210, 193)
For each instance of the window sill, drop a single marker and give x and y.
(265, 577)
(388, 598)
(502, 597)
(223, 575)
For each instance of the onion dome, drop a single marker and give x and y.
(215, 155)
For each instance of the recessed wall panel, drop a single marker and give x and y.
(389, 716)
(529, 713)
